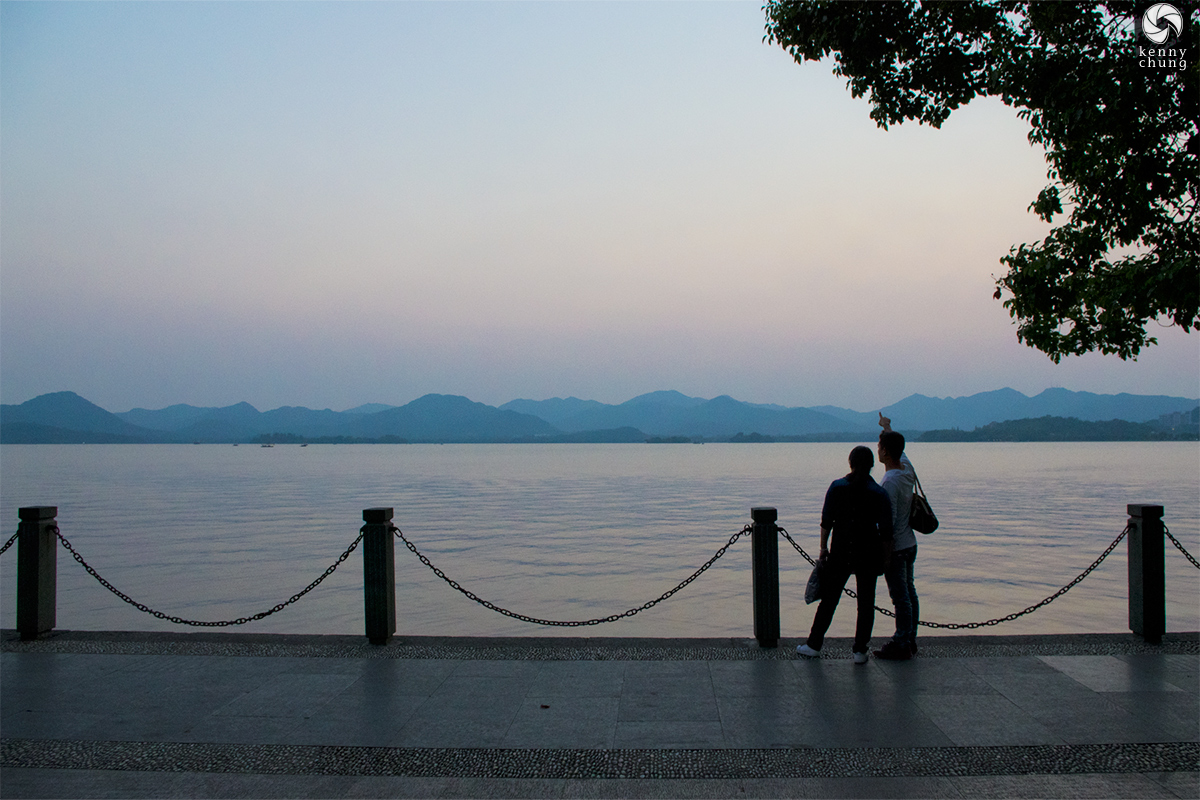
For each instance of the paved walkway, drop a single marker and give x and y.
(227, 715)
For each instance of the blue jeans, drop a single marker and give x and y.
(899, 577)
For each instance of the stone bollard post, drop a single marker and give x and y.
(765, 576)
(37, 571)
(1147, 573)
(379, 574)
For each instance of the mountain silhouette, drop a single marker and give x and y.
(918, 412)
(554, 410)
(67, 411)
(66, 417)
(675, 414)
(449, 418)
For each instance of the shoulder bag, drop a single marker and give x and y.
(921, 516)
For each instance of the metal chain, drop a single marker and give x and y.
(567, 623)
(573, 623)
(201, 623)
(997, 621)
(1166, 530)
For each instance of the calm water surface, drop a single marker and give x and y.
(580, 531)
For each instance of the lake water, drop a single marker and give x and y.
(580, 531)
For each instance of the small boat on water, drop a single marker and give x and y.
(267, 445)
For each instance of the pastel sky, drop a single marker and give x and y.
(328, 204)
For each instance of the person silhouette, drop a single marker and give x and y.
(858, 516)
(898, 481)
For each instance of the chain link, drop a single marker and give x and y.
(997, 621)
(568, 623)
(1166, 530)
(8, 544)
(201, 623)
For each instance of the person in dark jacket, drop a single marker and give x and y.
(859, 516)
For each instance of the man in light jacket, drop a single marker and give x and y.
(899, 481)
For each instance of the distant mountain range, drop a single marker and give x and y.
(674, 414)
(65, 417)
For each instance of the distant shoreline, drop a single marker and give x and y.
(1046, 429)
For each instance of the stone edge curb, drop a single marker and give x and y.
(565, 649)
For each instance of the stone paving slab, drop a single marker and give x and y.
(237, 715)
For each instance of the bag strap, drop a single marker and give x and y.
(918, 480)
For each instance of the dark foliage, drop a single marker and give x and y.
(1121, 144)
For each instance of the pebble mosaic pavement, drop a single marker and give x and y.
(591, 764)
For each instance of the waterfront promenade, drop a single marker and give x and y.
(242, 715)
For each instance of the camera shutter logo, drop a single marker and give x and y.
(1160, 21)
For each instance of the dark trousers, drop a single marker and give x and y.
(899, 578)
(833, 580)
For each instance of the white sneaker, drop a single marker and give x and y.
(807, 651)
(860, 658)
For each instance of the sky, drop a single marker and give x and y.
(330, 204)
